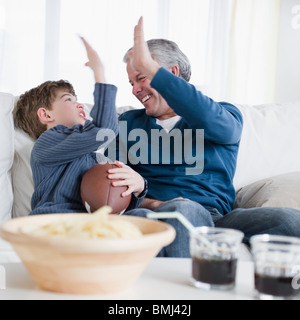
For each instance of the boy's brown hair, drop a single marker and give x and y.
(26, 110)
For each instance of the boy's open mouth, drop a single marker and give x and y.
(82, 115)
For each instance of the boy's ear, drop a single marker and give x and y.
(44, 116)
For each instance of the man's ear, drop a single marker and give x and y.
(175, 70)
(44, 116)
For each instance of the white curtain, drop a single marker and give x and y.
(108, 25)
(252, 72)
(22, 44)
(231, 43)
(243, 50)
(39, 39)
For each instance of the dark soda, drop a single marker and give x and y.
(275, 286)
(214, 272)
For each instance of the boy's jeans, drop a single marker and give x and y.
(277, 221)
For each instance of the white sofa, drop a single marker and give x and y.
(268, 170)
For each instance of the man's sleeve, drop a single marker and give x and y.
(222, 122)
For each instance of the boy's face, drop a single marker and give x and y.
(66, 110)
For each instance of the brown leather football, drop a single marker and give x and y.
(97, 190)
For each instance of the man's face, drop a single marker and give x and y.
(66, 110)
(153, 102)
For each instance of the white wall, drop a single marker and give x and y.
(288, 84)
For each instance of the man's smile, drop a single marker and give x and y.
(145, 99)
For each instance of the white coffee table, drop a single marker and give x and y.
(164, 279)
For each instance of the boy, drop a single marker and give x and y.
(66, 141)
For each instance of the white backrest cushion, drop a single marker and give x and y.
(281, 191)
(6, 155)
(22, 175)
(270, 144)
(269, 147)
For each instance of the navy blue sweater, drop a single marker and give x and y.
(61, 156)
(222, 124)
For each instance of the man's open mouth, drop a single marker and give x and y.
(145, 99)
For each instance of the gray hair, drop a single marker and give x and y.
(168, 54)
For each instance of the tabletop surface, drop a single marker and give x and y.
(164, 279)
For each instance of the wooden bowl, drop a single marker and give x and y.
(86, 266)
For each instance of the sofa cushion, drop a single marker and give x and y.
(270, 142)
(280, 191)
(6, 155)
(268, 148)
(7, 253)
(22, 175)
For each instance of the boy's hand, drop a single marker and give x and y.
(140, 56)
(125, 176)
(94, 62)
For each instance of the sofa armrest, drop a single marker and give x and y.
(7, 253)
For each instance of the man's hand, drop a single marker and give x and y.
(140, 57)
(153, 204)
(94, 62)
(125, 176)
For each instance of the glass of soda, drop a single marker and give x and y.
(277, 267)
(214, 253)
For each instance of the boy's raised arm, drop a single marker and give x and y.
(104, 113)
(62, 144)
(94, 62)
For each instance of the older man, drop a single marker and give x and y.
(193, 172)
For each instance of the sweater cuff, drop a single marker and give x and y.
(137, 201)
(161, 78)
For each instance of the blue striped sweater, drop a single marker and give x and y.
(61, 156)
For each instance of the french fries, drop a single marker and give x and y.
(95, 226)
